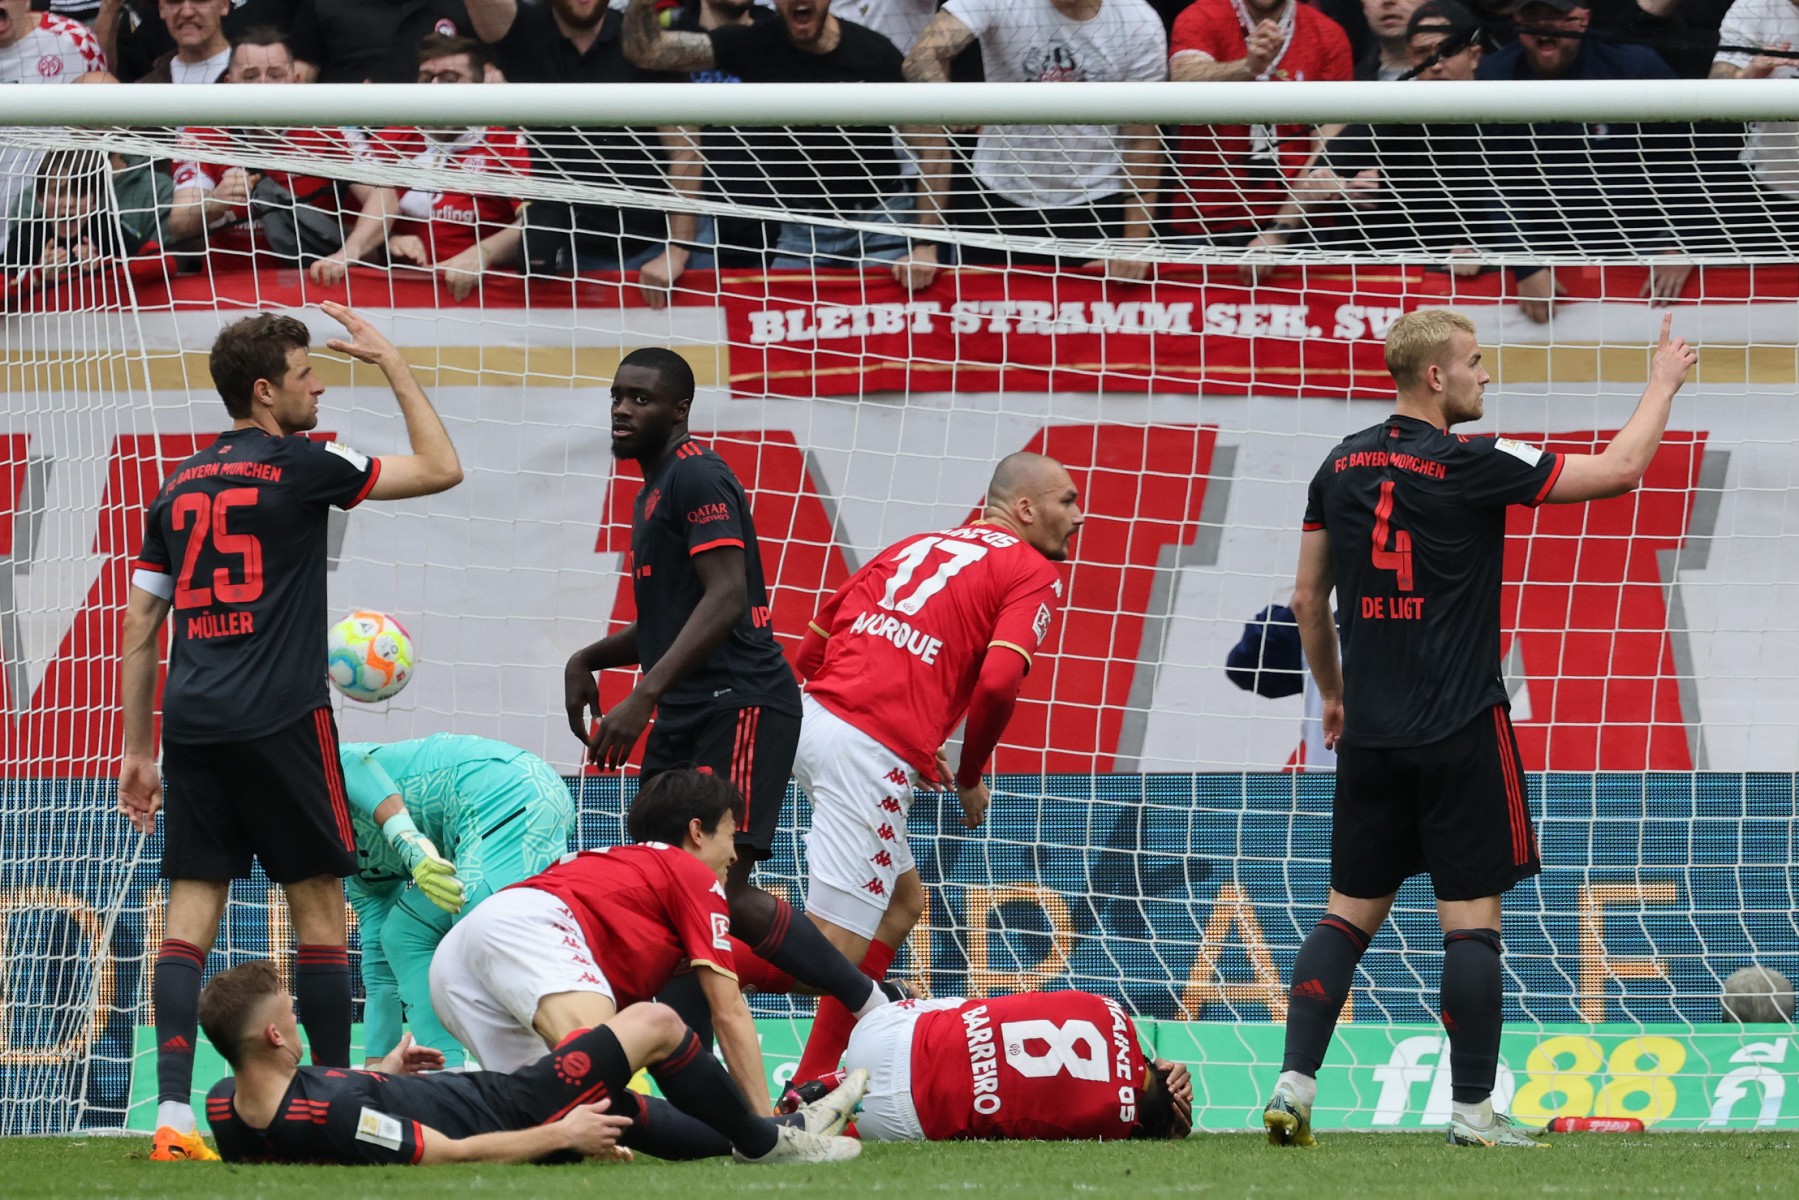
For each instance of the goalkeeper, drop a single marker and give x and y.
(441, 823)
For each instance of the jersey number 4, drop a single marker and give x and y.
(957, 556)
(1399, 558)
(207, 515)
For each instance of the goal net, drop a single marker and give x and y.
(1193, 322)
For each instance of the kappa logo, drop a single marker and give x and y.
(883, 859)
(573, 1066)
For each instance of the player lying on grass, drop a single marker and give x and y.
(1047, 1066)
(573, 1103)
(605, 929)
(459, 817)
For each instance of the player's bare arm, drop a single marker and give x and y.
(1318, 628)
(737, 1040)
(433, 465)
(654, 48)
(580, 690)
(723, 601)
(589, 1130)
(140, 782)
(1620, 466)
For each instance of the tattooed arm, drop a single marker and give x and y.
(654, 48)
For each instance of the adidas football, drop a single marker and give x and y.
(370, 656)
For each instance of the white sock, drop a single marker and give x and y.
(876, 999)
(1478, 1115)
(176, 1115)
(1303, 1088)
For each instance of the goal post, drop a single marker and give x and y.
(1160, 825)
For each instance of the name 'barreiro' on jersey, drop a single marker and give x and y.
(906, 634)
(235, 541)
(692, 505)
(1042, 1065)
(1416, 517)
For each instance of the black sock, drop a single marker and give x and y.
(684, 994)
(175, 994)
(665, 1131)
(794, 944)
(1473, 1000)
(1321, 977)
(322, 990)
(698, 1084)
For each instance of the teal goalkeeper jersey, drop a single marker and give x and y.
(444, 781)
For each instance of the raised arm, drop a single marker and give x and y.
(928, 62)
(1312, 586)
(1620, 466)
(432, 466)
(654, 48)
(1193, 66)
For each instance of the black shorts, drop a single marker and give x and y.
(279, 798)
(753, 747)
(1456, 808)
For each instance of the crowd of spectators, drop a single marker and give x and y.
(859, 195)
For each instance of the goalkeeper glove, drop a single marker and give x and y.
(434, 874)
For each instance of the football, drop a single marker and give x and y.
(370, 656)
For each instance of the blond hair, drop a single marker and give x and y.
(1420, 339)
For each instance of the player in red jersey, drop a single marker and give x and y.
(1044, 1066)
(604, 929)
(460, 235)
(937, 625)
(234, 551)
(216, 201)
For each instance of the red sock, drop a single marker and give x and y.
(756, 972)
(832, 1026)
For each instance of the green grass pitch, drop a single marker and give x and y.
(1343, 1165)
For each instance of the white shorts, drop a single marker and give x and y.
(513, 949)
(881, 1044)
(857, 845)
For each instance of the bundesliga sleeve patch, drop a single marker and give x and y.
(355, 458)
(379, 1128)
(1526, 453)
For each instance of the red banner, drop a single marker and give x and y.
(846, 333)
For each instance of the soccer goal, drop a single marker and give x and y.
(876, 313)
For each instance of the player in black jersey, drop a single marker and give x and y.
(724, 697)
(571, 1103)
(1407, 521)
(234, 547)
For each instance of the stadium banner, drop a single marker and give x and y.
(841, 333)
(1643, 632)
(1393, 1077)
(1138, 887)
